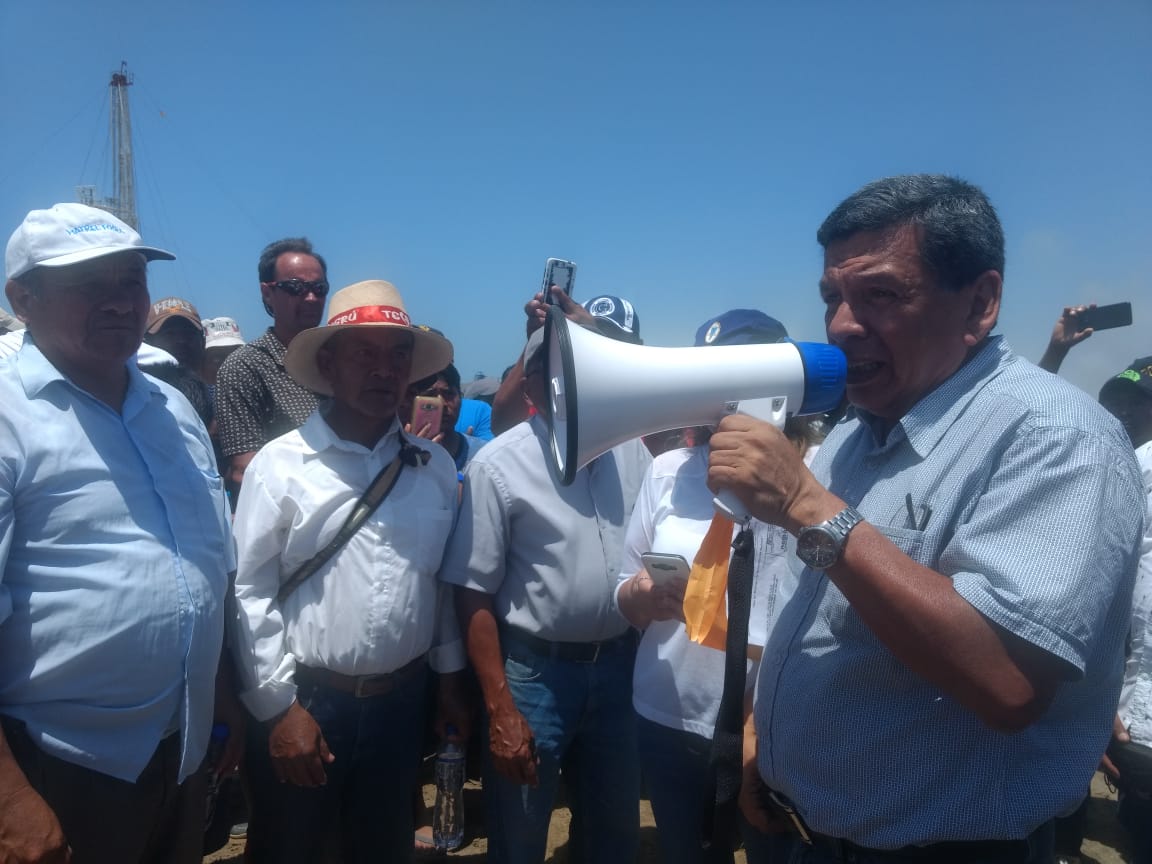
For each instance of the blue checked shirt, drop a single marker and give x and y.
(1027, 495)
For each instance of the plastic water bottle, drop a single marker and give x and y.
(448, 815)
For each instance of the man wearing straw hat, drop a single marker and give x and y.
(334, 647)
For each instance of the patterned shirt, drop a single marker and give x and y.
(1026, 494)
(256, 399)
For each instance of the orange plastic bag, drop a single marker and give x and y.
(705, 609)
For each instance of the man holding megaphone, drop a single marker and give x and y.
(943, 681)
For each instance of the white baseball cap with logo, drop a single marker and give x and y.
(221, 332)
(69, 234)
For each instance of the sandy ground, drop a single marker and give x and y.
(1104, 842)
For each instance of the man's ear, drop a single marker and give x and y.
(984, 308)
(20, 297)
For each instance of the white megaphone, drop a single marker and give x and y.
(603, 392)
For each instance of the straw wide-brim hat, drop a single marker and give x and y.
(374, 303)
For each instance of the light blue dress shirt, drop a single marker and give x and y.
(549, 554)
(114, 555)
(1019, 488)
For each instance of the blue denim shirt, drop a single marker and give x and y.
(1026, 494)
(114, 553)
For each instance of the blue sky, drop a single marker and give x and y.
(683, 153)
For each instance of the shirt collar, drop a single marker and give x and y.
(927, 421)
(271, 343)
(38, 373)
(320, 437)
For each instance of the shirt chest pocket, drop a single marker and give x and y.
(842, 618)
(418, 536)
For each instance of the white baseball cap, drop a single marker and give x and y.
(68, 234)
(221, 332)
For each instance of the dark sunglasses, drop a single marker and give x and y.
(298, 287)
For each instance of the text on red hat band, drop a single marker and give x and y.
(372, 315)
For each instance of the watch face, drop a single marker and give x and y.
(816, 548)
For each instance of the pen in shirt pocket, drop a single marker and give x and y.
(926, 514)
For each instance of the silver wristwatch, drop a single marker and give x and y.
(820, 546)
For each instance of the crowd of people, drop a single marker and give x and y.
(937, 621)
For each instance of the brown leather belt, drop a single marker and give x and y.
(360, 686)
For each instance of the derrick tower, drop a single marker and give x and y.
(122, 201)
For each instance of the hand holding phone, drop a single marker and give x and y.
(664, 568)
(427, 415)
(560, 273)
(1106, 317)
(660, 597)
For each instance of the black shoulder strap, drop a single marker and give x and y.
(721, 818)
(376, 492)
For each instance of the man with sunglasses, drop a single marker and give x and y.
(256, 400)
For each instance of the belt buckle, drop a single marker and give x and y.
(786, 806)
(358, 691)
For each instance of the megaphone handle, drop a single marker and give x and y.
(729, 505)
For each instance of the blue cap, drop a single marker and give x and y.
(617, 310)
(740, 327)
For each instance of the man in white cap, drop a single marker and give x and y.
(334, 664)
(114, 560)
(221, 337)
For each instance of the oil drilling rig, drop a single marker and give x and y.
(122, 201)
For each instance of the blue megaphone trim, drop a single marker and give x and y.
(825, 369)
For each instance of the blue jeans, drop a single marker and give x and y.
(363, 815)
(581, 716)
(1135, 814)
(678, 778)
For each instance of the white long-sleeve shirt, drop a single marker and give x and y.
(1136, 697)
(376, 605)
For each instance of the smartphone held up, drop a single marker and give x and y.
(560, 273)
(427, 416)
(1106, 317)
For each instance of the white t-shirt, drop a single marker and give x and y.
(678, 683)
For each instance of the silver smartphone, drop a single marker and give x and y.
(663, 567)
(560, 273)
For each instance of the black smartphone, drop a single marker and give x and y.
(1106, 317)
(560, 273)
